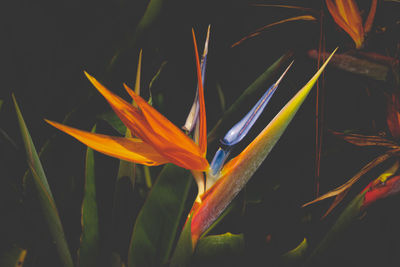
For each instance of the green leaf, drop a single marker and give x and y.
(122, 217)
(45, 151)
(1, 103)
(126, 179)
(158, 221)
(88, 253)
(184, 249)
(258, 85)
(214, 247)
(44, 194)
(150, 16)
(13, 257)
(346, 218)
(221, 97)
(295, 254)
(112, 119)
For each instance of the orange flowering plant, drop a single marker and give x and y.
(155, 141)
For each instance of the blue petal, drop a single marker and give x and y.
(219, 159)
(240, 130)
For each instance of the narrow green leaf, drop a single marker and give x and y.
(158, 221)
(122, 212)
(13, 257)
(221, 97)
(44, 194)
(157, 75)
(182, 256)
(112, 119)
(219, 247)
(88, 253)
(122, 217)
(45, 152)
(150, 16)
(1, 103)
(346, 218)
(259, 84)
(6, 137)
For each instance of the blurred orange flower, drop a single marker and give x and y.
(347, 15)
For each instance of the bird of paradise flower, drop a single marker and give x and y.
(158, 141)
(347, 15)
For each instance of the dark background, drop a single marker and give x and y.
(48, 44)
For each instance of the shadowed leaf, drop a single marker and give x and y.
(296, 254)
(112, 119)
(352, 211)
(345, 219)
(124, 186)
(89, 249)
(217, 247)
(150, 16)
(184, 249)
(157, 223)
(44, 194)
(221, 97)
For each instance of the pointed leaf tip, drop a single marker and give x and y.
(202, 110)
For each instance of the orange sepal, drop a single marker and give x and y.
(341, 21)
(353, 16)
(169, 140)
(371, 16)
(129, 115)
(202, 108)
(129, 149)
(162, 126)
(147, 124)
